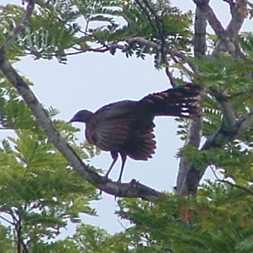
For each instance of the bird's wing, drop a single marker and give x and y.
(110, 134)
(120, 109)
(142, 143)
(182, 101)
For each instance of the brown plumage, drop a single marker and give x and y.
(126, 127)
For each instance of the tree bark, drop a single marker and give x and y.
(189, 176)
(184, 183)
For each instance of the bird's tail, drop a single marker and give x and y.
(182, 101)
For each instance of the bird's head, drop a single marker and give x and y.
(81, 116)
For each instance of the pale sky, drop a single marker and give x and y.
(92, 80)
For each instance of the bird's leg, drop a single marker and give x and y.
(123, 158)
(114, 157)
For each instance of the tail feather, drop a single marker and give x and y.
(182, 101)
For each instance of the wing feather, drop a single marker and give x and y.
(142, 145)
(111, 134)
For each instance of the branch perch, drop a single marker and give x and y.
(132, 189)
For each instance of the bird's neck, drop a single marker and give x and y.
(87, 116)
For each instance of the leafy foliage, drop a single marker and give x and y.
(39, 191)
(6, 242)
(37, 188)
(209, 223)
(56, 30)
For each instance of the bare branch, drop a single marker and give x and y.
(211, 17)
(199, 39)
(230, 2)
(239, 12)
(185, 178)
(216, 26)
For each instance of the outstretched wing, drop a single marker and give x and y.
(182, 101)
(122, 127)
(142, 144)
(110, 134)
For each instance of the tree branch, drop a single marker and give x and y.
(157, 26)
(189, 176)
(216, 25)
(170, 76)
(239, 12)
(214, 22)
(184, 174)
(199, 39)
(226, 107)
(222, 136)
(132, 189)
(242, 188)
(194, 135)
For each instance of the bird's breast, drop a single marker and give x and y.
(90, 133)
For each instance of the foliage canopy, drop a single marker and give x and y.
(40, 192)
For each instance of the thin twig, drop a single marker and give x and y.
(145, 12)
(158, 27)
(243, 188)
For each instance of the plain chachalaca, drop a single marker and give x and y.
(126, 127)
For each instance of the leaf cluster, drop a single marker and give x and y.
(57, 28)
(38, 187)
(218, 220)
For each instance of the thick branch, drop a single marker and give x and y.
(239, 13)
(194, 135)
(132, 189)
(199, 39)
(231, 127)
(216, 25)
(222, 136)
(214, 22)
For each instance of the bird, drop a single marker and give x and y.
(126, 127)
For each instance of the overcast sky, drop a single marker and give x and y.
(90, 81)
